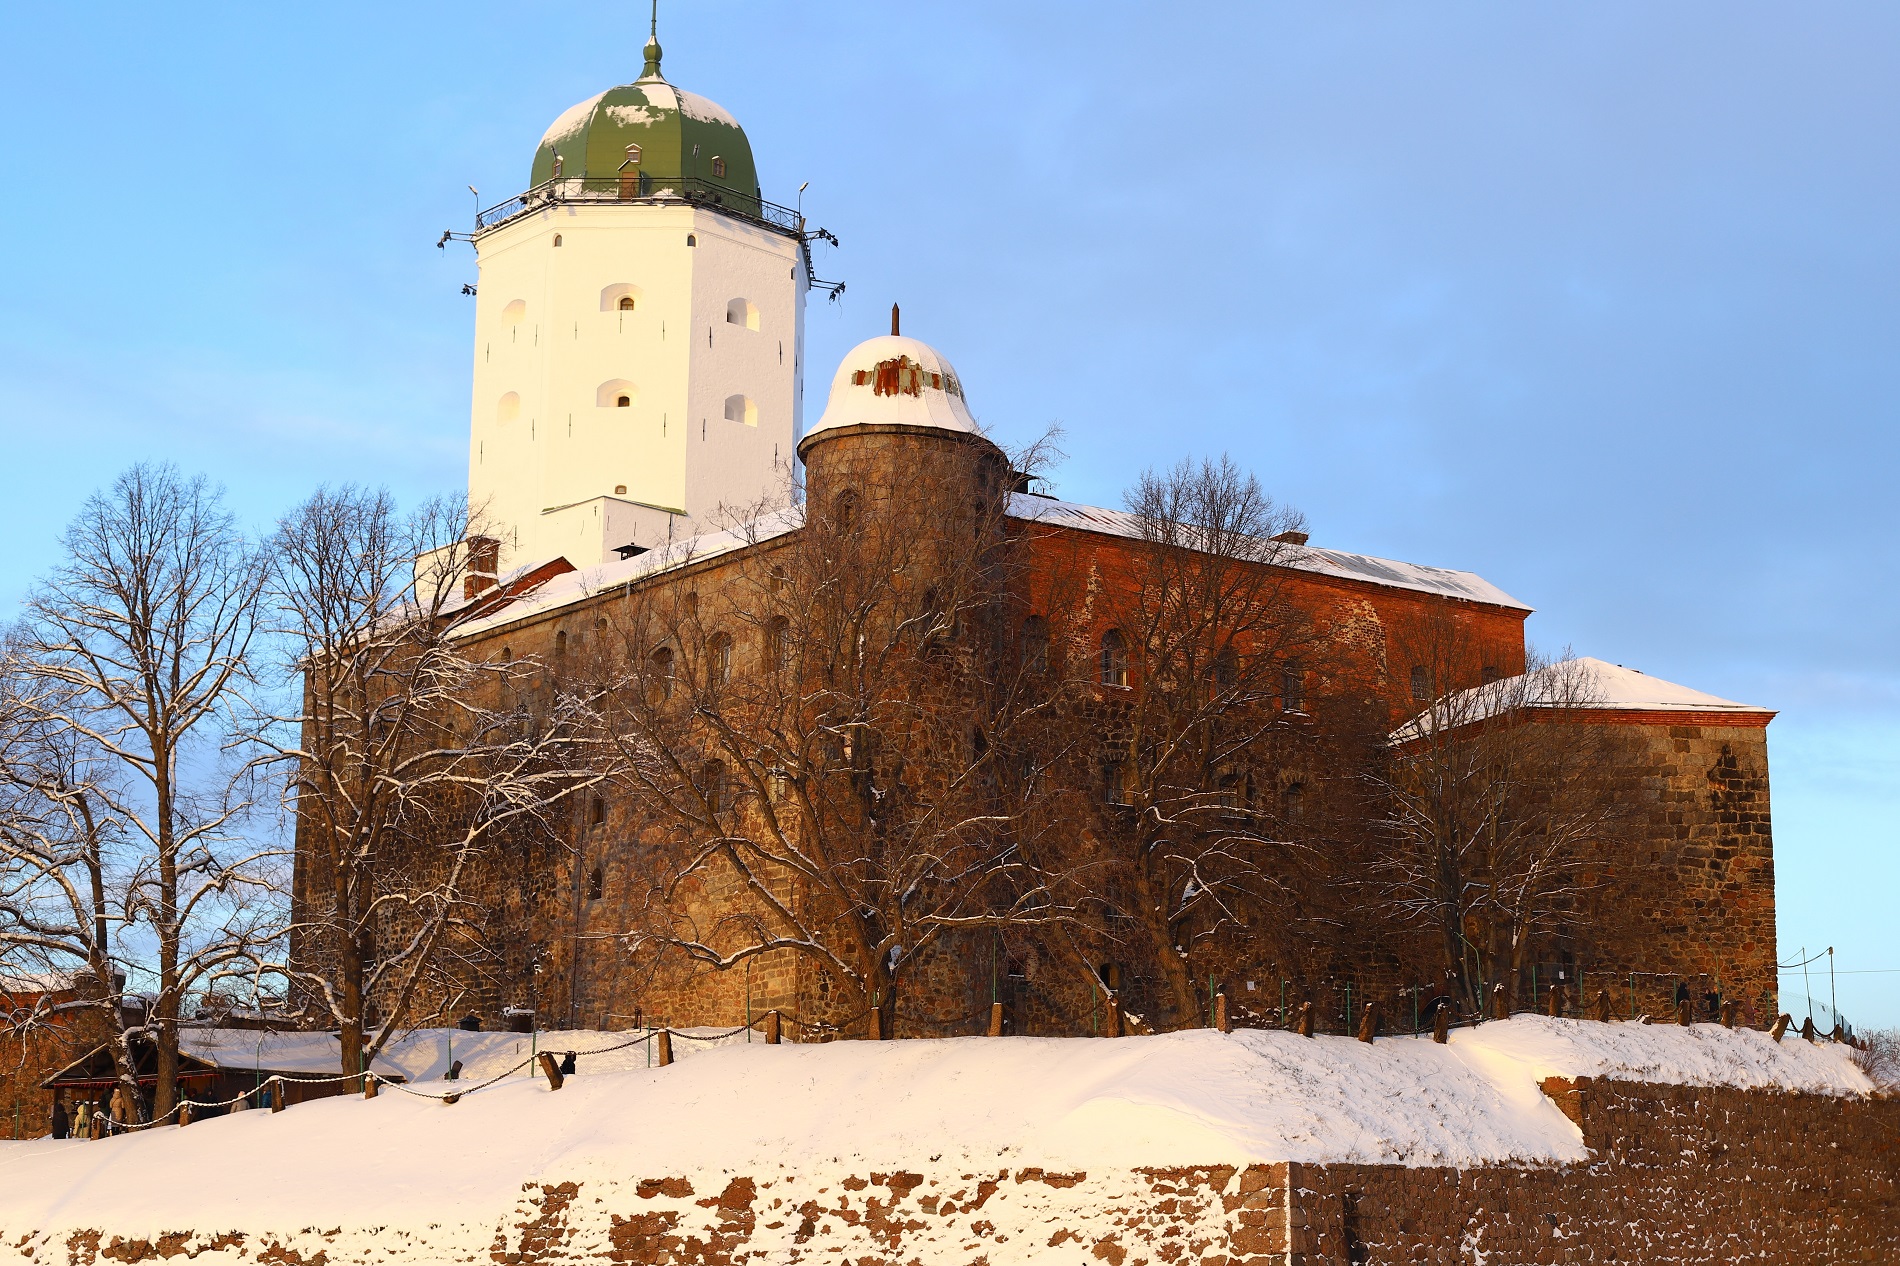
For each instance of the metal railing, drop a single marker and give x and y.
(644, 189)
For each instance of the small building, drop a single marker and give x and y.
(216, 1065)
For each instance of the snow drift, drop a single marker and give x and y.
(957, 1106)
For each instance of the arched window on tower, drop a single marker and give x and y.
(621, 296)
(742, 312)
(508, 408)
(616, 393)
(1114, 659)
(557, 239)
(718, 167)
(742, 409)
(719, 659)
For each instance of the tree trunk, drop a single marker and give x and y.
(1174, 967)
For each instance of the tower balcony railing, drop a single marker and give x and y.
(639, 188)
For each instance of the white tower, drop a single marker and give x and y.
(639, 329)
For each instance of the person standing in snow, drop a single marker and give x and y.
(61, 1126)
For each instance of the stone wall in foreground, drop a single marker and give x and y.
(1677, 1175)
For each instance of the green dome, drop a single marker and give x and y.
(680, 141)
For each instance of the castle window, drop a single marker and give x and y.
(1292, 688)
(508, 408)
(1490, 673)
(778, 644)
(742, 312)
(845, 517)
(1114, 659)
(719, 659)
(633, 153)
(596, 811)
(596, 884)
(1293, 801)
(560, 165)
(560, 645)
(515, 311)
(1115, 782)
(616, 393)
(661, 663)
(1226, 669)
(742, 409)
(1034, 641)
(557, 239)
(620, 490)
(718, 167)
(692, 240)
(712, 785)
(622, 296)
(1421, 683)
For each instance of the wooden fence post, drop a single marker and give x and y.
(874, 1025)
(552, 1069)
(1603, 1006)
(1441, 1023)
(996, 1019)
(276, 1094)
(1114, 1026)
(1555, 1007)
(771, 1028)
(1305, 1023)
(1685, 1013)
(1728, 1013)
(1369, 1023)
(1780, 1027)
(1222, 1020)
(664, 1041)
(369, 1086)
(1807, 1029)
(184, 1113)
(1500, 1002)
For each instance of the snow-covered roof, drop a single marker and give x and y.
(587, 582)
(576, 586)
(894, 381)
(1308, 558)
(309, 1054)
(1582, 682)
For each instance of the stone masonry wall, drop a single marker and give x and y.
(1676, 1175)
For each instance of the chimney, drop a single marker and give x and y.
(894, 329)
(1292, 538)
(484, 561)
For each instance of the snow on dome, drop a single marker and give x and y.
(895, 381)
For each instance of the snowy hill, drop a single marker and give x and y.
(407, 1165)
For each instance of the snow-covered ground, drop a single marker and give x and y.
(956, 1106)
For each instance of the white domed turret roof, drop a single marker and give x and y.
(895, 381)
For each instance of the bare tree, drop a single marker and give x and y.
(62, 874)
(1499, 814)
(140, 640)
(827, 754)
(405, 756)
(1210, 778)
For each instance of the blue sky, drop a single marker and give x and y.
(1598, 301)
